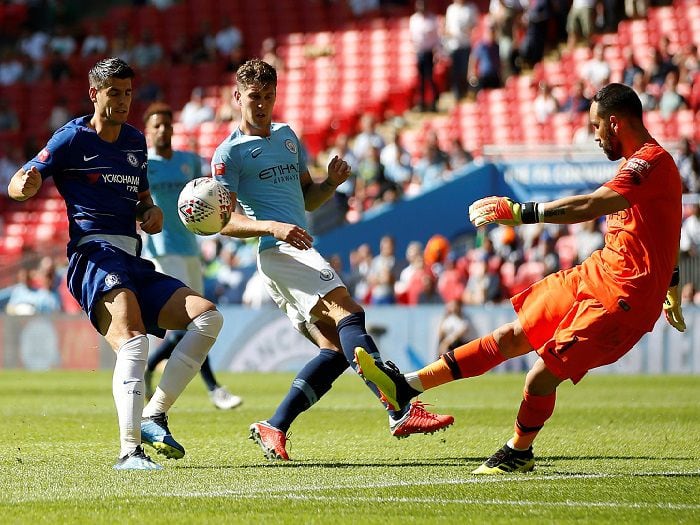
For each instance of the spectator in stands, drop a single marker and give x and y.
(537, 19)
(40, 298)
(459, 155)
(31, 71)
(636, 8)
(452, 280)
(196, 111)
(58, 67)
(580, 22)
(660, 64)
(454, 329)
(60, 114)
(62, 42)
(687, 159)
(545, 104)
(689, 295)
(485, 62)
(461, 17)
(382, 272)
(505, 17)
(94, 42)
(227, 111)
(33, 44)
(431, 168)
(360, 264)
(11, 158)
(147, 52)
(204, 44)
(255, 294)
(589, 238)
(9, 121)
(690, 233)
(396, 160)
(547, 253)
(10, 67)
(640, 86)
(268, 53)
(367, 138)
(596, 70)
(631, 66)
(482, 286)
(671, 100)
(228, 38)
(424, 29)
(414, 264)
(576, 102)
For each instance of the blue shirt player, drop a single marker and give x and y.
(175, 250)
(98, 163)
(263, 165)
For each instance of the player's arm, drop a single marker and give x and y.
(243, 227)
(567, 210)
(316, 193)
(672, 303)
(24, 184)
(148, 214)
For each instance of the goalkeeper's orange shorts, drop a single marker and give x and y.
(569, 328)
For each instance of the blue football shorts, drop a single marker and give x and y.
(98, 267)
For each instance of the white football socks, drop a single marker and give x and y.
(128, 391)
(185, 361)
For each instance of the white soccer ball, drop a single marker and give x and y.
(204, 206)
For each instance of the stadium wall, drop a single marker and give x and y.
(264, 340)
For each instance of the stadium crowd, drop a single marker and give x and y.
(47, 43)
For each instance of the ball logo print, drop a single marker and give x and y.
(204, 206)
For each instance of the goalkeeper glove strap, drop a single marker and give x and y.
(529, 213)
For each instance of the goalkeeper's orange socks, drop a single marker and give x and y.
(469, 360)
(534, 412)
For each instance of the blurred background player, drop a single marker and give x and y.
(174, 250)
(98, 163)
(590, 315)
(263, 165)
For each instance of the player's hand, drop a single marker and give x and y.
(495, 209)
(30, 182)
(338, 171)
(672, 309)
(292, 234)
(152, 220)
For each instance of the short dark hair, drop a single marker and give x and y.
(255, 71)
(157, 108)
(618, 99)
(107, 68)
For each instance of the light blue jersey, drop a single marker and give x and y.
(265, 174)
(167, 177)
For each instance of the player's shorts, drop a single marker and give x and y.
(98, 267)
(296, 280)
(187, 268)
(569, 328)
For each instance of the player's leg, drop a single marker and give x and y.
(161, 353)
(118, 318)
(184, 309)
(219, 395)
(537, 406)
(309, 385)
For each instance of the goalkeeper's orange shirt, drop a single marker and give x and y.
(633, 270)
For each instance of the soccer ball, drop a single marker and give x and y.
(204, 206)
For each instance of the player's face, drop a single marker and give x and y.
(605, 135)
(159, 131)
(256, 103)
(112, 102)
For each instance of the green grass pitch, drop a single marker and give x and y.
(618, 449)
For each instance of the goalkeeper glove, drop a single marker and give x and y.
(504, 211)
(672, 309)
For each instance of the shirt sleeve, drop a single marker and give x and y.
(634, 179)
(51, 160)
(225, 169)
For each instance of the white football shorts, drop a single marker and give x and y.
(187, 268)
(296, 280)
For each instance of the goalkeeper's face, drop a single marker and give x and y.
(605, 135)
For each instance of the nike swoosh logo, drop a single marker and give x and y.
(256, 152)
(89, 158)
(131, 381)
